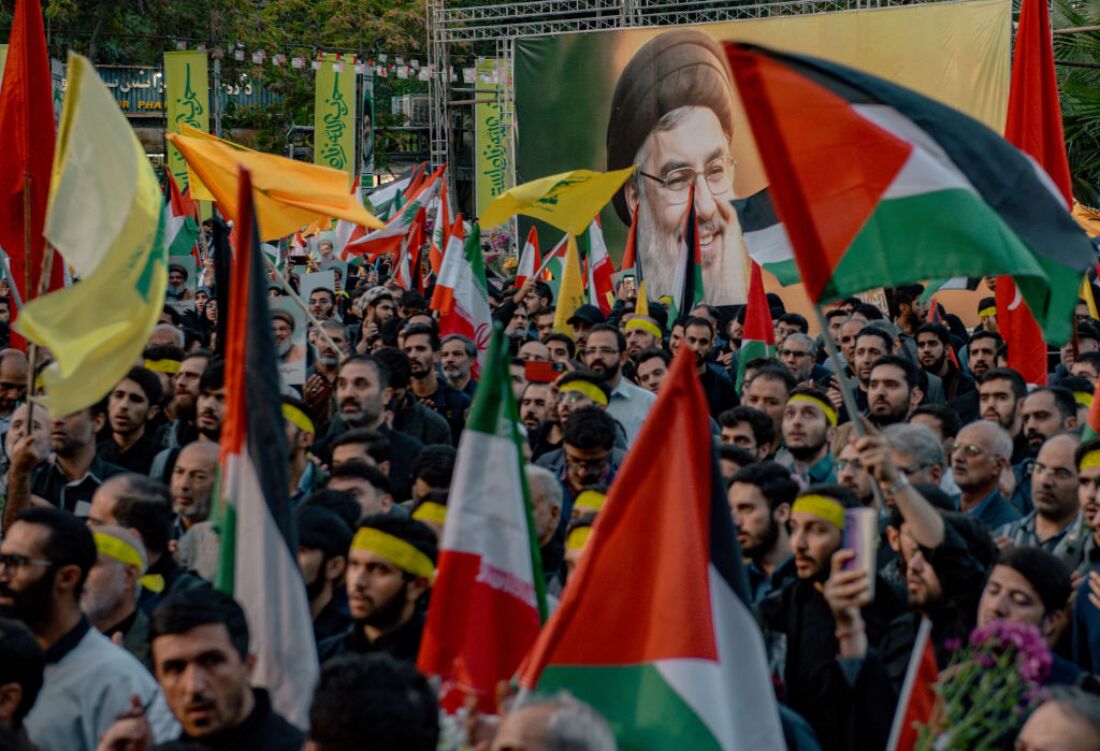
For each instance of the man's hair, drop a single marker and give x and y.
(838, 493)
(917, 441)
(607, 328)
(739, 456)
(380, 368)
(148, 382)
(570, 345)
(322, 529)
(950, 422)
(650, 352)
(145, 504)
(200, 606)
(772, 479)
(22, 662)
(801, 338)
(587, 376)
(338, 502)
(1064, 400)
(908, 294)
(173, 326)
(699, 321)
(362, 471)
(543, 292)
(467, 343)
(887, 340)
(837, 313)
(375, 697)
(763, 429)
(1076, 701)
(940, 501)
(397, 364)
(327, 291)
(796, 320)
(537, 475)
(998, 341)
(906, 365)
(423, 330)
(69, 543)
(435, 465)
(1086, 330)
(417, 534)
(163, 352)
(412, 298)
(1019, 385)
(937, 330)
(869, 312)
(1046, 573)
(1091, 358)
(572, 725)
(377, 445)
(213, 377)
(589, 428)
(776, 373)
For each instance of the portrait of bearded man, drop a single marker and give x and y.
(672, 118)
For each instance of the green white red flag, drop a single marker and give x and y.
(758, 331)
(530, 260)
(181, 228)
(461, 293)
(489, 597)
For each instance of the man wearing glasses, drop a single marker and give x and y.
(672, 117)
(980, 453)
(605, 353)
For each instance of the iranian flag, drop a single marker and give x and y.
(388, 239)
(531, 260)
(655, 628)
(489, 597)
(461, 293)
(259, 552)
(687, 283)
(180, 229)
(758, 333)
(601, 291)
(877, 185)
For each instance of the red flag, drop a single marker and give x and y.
(630, 252)
(918, 698)
(1034, 125)
(27, 132)
(530, 260)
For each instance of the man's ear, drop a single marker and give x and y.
(915, 397)
(630, 193)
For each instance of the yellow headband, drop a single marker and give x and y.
(591, 390)
(592, 500)
(128, 555)
(577, 538)
(430, 511)
(821, 506)
(297, 417)
(1083, 398)
(644, 325)
(987, 312)
(163, 366)
(1091, 459)
(395, 550)
(830, 413)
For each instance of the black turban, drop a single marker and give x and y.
(681, 68)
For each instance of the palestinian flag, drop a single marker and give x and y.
(879, 186)
(530, 260)
(554, 262)
(601, 291)
(489, 597)
(461, 293)
(687, 284)
(655, 628)
(765, 237)
(181, 229)
(259, 552)
(758, 333)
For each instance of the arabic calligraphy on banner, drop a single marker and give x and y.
(490, 156)
(334, 130)
(187, 100)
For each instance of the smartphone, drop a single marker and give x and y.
(542, 372)
(861, 537)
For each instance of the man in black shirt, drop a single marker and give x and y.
(131, 405)
(323, 542)
(719, 390)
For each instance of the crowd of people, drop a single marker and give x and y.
(986, 494)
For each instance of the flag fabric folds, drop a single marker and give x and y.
(862, 170)
(758, 331)
(289, 194)
(27, 132)
(530, 260)
(765, 237)
(489, 598)
(670, 654)
(106, 216)
(181, 228)
(918, 697)
(388, 238)
(567, 200)
(687, 284)
(259, 552)
(570, 293)
(462, 294)
(601, 290)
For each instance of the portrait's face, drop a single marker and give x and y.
(694, 151)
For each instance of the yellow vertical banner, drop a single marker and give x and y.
(186, 100)
(334, 115)
(490, 156)
(3, 59)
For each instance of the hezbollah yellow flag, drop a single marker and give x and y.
(288, 194)
(1090, 301)
(571, 290)
(641, 305)
(106, 217)
(567, 201)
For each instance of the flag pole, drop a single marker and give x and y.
(301, 304)
(549, 257)
(32, 350)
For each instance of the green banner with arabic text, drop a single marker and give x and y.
(490, 156)
(187, 100)
(334, 115)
